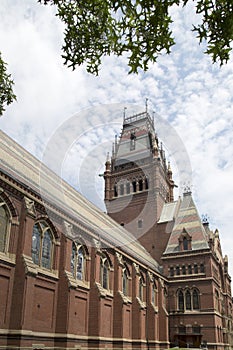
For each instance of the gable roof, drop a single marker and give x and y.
(19, 164)
(187, 223)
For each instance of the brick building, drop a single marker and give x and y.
(148, 275)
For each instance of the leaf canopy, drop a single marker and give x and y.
(139, 28)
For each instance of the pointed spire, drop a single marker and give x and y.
(124, 113)
(146, 103)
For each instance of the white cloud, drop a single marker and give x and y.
(184, 88)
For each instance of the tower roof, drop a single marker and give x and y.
(187, 223)
(136, 140)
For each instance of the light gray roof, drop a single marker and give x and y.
(25, 168)
(188, 221)
(169, 212)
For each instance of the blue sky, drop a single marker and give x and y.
(193, 97)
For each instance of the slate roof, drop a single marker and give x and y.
(25, 168)
(187, 221)
(141, 126)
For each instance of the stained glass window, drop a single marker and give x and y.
(125, 281)
(154, 293)
(78, 261)
(42, 245)
(141, 287)
(4, 219)
(105, 275)
(36, 242)
(80, 264)
(47, 250)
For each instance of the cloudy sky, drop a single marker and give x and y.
(193, 97)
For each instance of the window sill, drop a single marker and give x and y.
(75, 283)
(7, 258)
(35, 270)
(155, 308)
(141, 303)
(125, 298)
(104, 293)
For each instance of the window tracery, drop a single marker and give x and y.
(188, 299)
(104, 272)
(78, 261)
(42, 245)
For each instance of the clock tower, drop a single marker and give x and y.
(138, 182)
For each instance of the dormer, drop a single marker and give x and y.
(185, 241)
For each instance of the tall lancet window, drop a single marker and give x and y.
(42, 245)
(105, 272)
(78, 261)
(4, 222)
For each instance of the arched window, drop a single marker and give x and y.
(189, 269)
(141, 287)
(128, 187)
(104, 272)
(154, 294)
(202, 268)
(183, 270)
(78, 261)
(140, 223)
(140, 185)
(42, 245)
(195, 268)
(146, 183)
(115, 191)
(196, 304)
(185, 244)
(177, 270)
(180, 301)
(188, 305)
(171, 271)
(125, 281)
(134, 184)
(121, 189)
(4, 222)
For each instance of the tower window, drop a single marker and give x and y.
(140, 223)
(172, 271)
(132, 141)
(134, 184)
(140, 185)
(183, 270)
(177, 270)
(196, 305)
(128, 187)
(202, 268)
(181, 301)
(188, 300)
(115, 191)
(146, 183)
(121, 189)
(185, 243)
(195, 268)
(189, 269)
